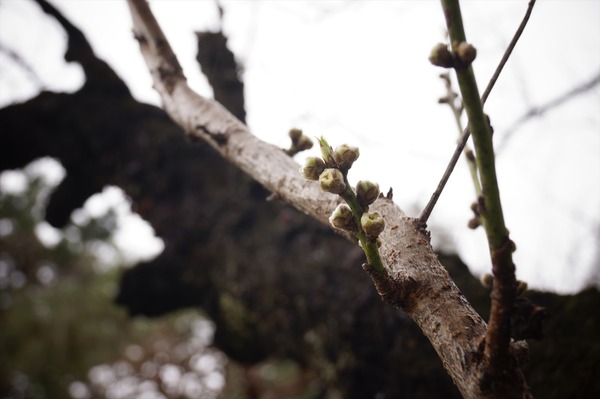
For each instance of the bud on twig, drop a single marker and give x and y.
(312, 168)
(474, 222)
(441, 56)
(466, 53)
(295, 134)
(332, 181)
(372, 224)
(345, 156)
(487, 280)
(366, 192)
(342, 218)
(300, 142)
(304, 143)
(327, 152)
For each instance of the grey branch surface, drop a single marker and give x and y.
(427, 292)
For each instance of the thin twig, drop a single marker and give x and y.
(508, 51)
(542, 109)
(27, 68)
(462, 142)
(450, 99)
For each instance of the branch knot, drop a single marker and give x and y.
(393, 291)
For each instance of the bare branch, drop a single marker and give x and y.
(21, 62)
(542, 109)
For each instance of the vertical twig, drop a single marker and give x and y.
(497, 361)
(450, 99)
(462, 142)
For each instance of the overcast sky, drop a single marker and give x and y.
(357, 72)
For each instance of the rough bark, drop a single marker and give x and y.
(428, 294)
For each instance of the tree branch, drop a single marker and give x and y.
(421, 285)
(542, 109)
(499, 372)
(462, 142)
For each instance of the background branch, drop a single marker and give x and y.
(542, 109)
(456, 108)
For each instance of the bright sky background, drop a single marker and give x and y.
(357, 72)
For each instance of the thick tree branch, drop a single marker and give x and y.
(421, 285)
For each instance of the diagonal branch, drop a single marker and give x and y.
(420, 284)
(540, 110)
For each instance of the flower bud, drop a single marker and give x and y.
(304, 143)
(342, 218)
(345, 156)
(512, 246)
(295, 134)
(332, 181)
(312, 168)
(327, 152)
(441, 56)
(474, 222)
(366, 192)
(487, 280)
(372, 224)
(466, 53)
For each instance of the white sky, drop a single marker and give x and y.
(357, 72)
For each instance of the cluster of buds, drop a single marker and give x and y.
(464, 55)
(331, 172)
(475, 221)
(300, 142)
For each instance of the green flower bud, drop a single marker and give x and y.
(372, 224)
(441, 56)
(466, 53)
(327, 152)
(295, 134)
(366, 192)
(345, 156)
(312, 168)
(342, 218)
(332, 181)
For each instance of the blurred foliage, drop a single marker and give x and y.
(61, 335)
